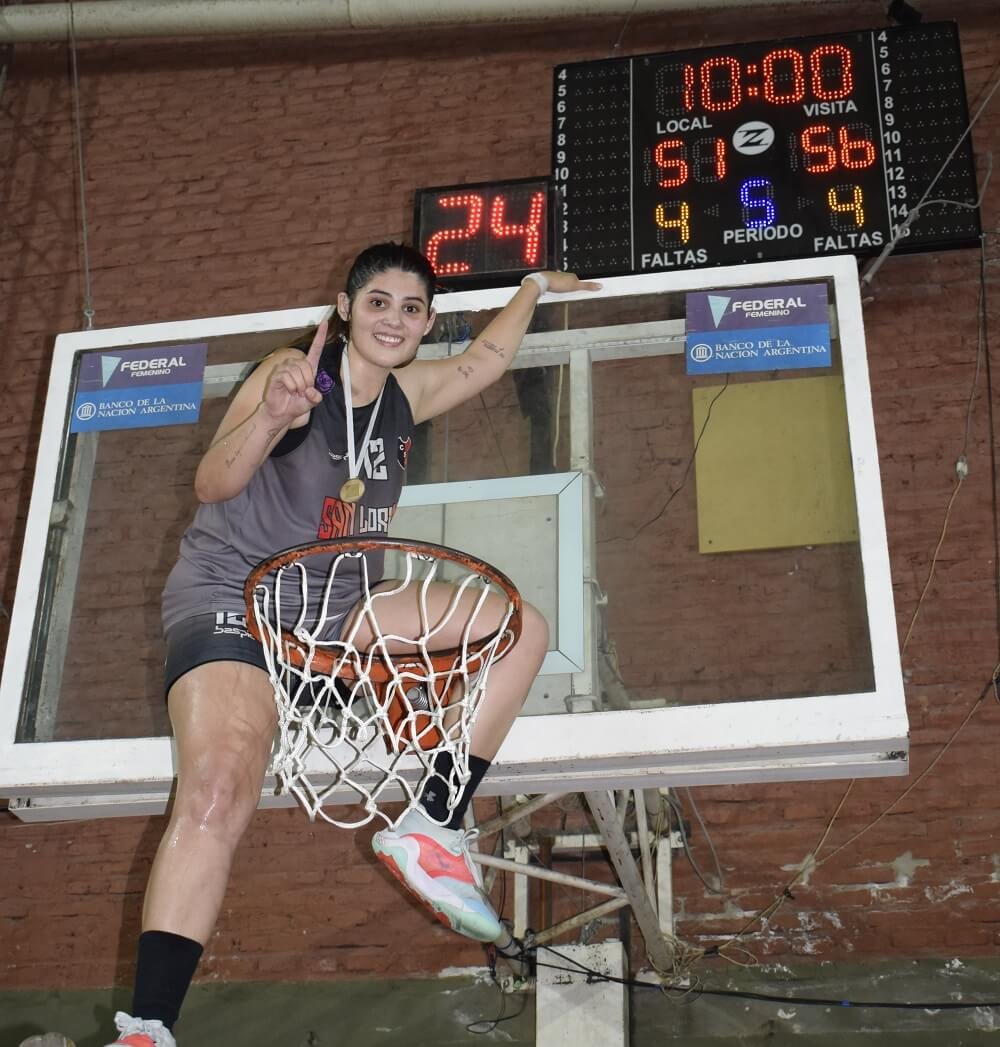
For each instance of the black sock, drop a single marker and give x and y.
(434, 798)
(166, 966)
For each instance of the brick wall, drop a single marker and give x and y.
(234, 176)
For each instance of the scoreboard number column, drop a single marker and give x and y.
(561, 168)
(893, 158)
(591, 133)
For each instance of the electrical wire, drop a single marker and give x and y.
(618, 43)
(920, 777)
(720, 887)
(489, 1024)
(88, 298)
(961, 465)
(678, 813)
(687, 469)
(559, 389)
(700, 990)
(806, 866)
(959, 480)
(496, 438)
(902, 231)
(985, 329)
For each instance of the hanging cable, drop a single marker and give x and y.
(720, 886)
(693, 993)
(628, 18)
(902, 231)
(962, 463)
(985, 336)
(808, 863)
(88, 299)
(559, 389)
(687, 469)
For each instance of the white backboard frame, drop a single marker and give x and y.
(827, 736)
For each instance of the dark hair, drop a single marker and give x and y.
(379, 258)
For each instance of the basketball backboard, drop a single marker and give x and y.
(708, 546)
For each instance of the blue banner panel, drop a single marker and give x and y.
(159, 405)
(776, 349)
(135, 388)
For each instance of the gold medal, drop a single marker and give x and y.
(352, 489)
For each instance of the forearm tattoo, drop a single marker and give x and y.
(244, 439)
(495, 349)
(465, 372)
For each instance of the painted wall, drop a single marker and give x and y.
(240, 175)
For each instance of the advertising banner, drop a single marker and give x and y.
(758, 329)
(135, 388)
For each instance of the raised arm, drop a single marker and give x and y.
(278, 396)
(436, 386)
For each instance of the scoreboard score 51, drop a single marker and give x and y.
(762, 151)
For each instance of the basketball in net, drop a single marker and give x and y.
(364, 712)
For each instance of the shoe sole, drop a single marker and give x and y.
(453, 924)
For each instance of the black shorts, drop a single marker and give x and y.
(219, 636)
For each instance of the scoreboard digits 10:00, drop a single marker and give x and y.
(762, 151)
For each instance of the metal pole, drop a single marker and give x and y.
(513, 814)
(524, 869)
(660, 952)
(581, 438)
(644, 850)
(116, 19)
(580, 920)
(665, 885)
(520, 890)
(664, 871)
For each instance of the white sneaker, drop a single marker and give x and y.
(135, 1032)
(434, 864)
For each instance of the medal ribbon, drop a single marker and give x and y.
(354, 460)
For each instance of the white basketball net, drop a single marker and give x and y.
(365, 726)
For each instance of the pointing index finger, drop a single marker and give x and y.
(316, 346)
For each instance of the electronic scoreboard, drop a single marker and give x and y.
(762, 151)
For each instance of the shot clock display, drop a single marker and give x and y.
(762, 151)
(486, 233)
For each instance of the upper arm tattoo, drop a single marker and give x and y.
(493, 348)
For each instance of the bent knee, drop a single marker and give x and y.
(534, 628)
(219, 799)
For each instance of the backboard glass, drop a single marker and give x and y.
(709, 550)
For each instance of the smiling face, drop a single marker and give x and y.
(388, 317)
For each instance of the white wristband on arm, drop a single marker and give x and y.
(537, 278)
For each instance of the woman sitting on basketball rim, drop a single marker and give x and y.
(281, 472)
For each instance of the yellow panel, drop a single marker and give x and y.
(774, 468)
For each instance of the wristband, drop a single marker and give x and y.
(537, 278)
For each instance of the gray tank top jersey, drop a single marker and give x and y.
(293, 498)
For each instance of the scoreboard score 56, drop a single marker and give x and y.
(762, 151)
